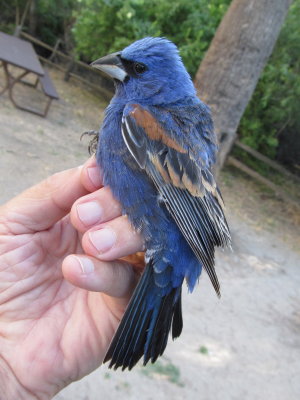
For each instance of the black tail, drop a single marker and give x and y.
(144, 330)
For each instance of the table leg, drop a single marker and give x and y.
(3, 64)
(11, 81)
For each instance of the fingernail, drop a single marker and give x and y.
(85, 264)
(103, 240)
(95, 176)
(89, 213)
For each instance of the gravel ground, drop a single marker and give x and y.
(244, 346)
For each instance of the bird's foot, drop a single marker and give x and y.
(93, 142)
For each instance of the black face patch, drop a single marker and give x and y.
(133, 68)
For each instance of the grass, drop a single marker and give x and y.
(107, 375)
(164, 370)
(203, 350)
(123, 386)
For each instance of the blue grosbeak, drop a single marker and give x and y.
(156, 149)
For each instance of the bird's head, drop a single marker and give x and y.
(149, 69)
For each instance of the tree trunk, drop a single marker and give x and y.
(20, 24)
(234, 61)
(33, 17)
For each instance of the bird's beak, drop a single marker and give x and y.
(112, 66)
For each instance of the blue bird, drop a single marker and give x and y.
(156, 149)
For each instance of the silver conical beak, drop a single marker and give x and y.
(112, 66)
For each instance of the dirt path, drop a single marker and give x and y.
(244, 346)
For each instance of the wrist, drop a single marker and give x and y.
(11, 388)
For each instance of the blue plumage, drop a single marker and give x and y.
(156, 149)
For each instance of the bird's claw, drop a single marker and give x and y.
(93, 142)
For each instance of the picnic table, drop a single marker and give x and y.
(20, 53)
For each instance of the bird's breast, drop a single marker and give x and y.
(130, 185)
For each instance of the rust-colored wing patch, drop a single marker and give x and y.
(152, 128)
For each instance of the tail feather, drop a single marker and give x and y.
(177, 319)
(146, 324)
(159, 338)
(128, 322)
(134, 349)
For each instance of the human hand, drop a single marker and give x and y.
(53, 332)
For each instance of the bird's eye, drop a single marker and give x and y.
(139, 68)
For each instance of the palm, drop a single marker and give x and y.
(54, 326)
(51, 331)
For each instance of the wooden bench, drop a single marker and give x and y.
(49, 90)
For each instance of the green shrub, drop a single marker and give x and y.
(53, 18)
(105, 26)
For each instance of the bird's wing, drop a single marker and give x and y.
(188, 190)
